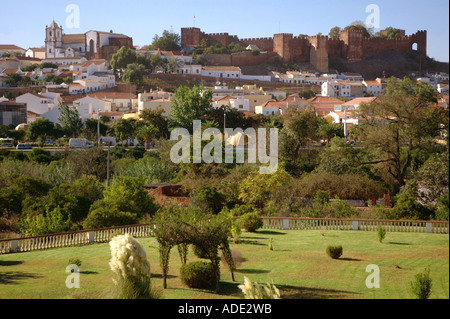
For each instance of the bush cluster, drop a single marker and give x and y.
(198, 274)
(334, 251)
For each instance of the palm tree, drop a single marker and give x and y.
(173, 64)
(147, 133)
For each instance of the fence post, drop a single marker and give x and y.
(355, 225)
(14, 246)
(91, 236)
(428, 227)
(285, 224)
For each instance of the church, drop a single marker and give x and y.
(92, 44)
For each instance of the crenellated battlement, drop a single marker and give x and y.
(256, 39)
(352, 45)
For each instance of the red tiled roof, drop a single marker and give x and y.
(10, 47)
(113, 95)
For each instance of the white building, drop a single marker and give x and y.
(88, 105)
(271, 108)
(226, 72)
(195, 69)
(155, 99)
(39, 103)
(373, 87)
(239, 103)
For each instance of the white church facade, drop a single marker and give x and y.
(92, 44)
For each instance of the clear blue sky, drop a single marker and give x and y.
(24, 21)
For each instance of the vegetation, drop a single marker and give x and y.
(421, 286)
(198, 274)
(291, 267)
(334, 251)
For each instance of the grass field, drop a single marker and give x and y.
(298, 266)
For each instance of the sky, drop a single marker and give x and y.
(24, 25)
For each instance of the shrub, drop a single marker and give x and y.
(381, 233)
(251, 222)
(421, 287)
(108, 216)
(334, 251)
(240, 210)
(255, 291)
(199, 274)
(75, 261)
(129, 263)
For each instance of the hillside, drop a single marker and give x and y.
(392, 63)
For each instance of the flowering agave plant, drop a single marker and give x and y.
(129, 262)
(254, 291)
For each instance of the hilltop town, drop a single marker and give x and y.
(263, 77)
(258, 157)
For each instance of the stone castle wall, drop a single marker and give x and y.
(316, 50)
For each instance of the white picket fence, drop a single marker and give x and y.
(85, 237)
(418, 226)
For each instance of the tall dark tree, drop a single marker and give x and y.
(398, 123)
(70, 120)
(168, 41)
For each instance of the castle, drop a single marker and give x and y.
(92, 44)
(316, 50)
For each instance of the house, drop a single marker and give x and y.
(25, 61)
(255, 95)
(374, 88)
(351, 77)
(10, 49)
(39, 103)
(231, 72)
(323, 105)
(120, 101)
(155, 99)
(32, 116)
(38, 53)
(271, 108)
(65, 61)
(442, 88)
(195, 69)
(336, 88)
(239, 103)
(88, 105)
(221, 90)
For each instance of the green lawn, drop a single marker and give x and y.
(298, 266)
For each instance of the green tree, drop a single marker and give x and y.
(157, 62)
(335, 33)
(394, 126)
(134, 73)
(92, 126)
(359, 26)
(157, 119)
(189, 105)
(299, 129)
(70, 120)
(146, 133)
(122, 58)
(327, 130)
(123, 129)
(168, 41)
(41, 128)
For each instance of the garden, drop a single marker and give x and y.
(295, 262)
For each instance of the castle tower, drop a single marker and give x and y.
(319, 53)
(190, 37)
(53, 40)
(282, 45)
(353, 41)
